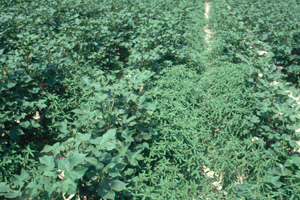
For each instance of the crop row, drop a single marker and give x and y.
(77, 105)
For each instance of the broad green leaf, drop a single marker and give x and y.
(13, 194)
(76, 173)
(15, 132)
(94, 162)
(105, 184)
(277, 183)
(129, 171)
(78, 111)
(66, 184)
(55, 186)
(297, 174)
(274, 180)
(296, 160)
(136, 155)
(106, 194)
(4, 187)
(117, 185)
(64, 165)
(41, 103)
(118, 167)
(48, 161)
(128, 135)
(292, 143)
(55, 149)
(76, 159)
(123, 148)
(281, 170)
(35, 124)
(83, 137)
(107, 141)
(32, 188)
(64, 127)
(19, 180)
(87, 80)
(146, 145)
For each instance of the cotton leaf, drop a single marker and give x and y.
(76, 173)
(48, 161)
(76, 159)
(117, 185)
(4, 187)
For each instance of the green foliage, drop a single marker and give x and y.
(123, 100)
(262, 25)
(75, 86)
(199, 126)
(240, 34)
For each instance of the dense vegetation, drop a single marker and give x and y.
(123, 100)
(239, 39)
(270, 26)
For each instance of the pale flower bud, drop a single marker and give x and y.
(260, 75)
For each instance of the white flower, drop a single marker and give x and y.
(260, 75)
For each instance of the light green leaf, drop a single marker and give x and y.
(94, 162)
(55, 186)
(76, 173)
(48, 161)
(78, 111)
(146, 145)
(274, 180)
(77, 21)
(55, 149)
(64, 165)
(128, 135)
(66, 184)
(87, 80)
(133, 157)
(76, 159)
(296, 160)
(117, 185)
(292, 143)
(83, 137)
(107, 141)
(41, 103)
(137, 155)
(277, 183)
(64, 127)
(129, 171)
(4, 187)
(19, 180)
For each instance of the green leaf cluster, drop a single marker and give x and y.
(240, 35)
(126, 100)
(77, 103)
